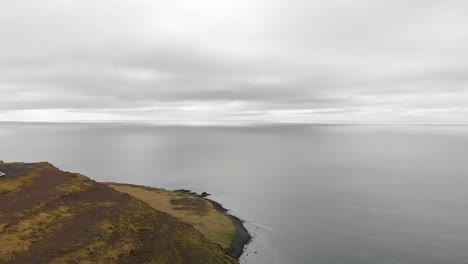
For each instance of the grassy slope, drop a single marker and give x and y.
(198, 212)
(50, 216)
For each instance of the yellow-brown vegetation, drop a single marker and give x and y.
(51, 216)
(198, 212)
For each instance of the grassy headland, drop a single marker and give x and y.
(51, 216)
(198, 212)
(206, 216)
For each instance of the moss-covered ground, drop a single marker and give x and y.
(51, 216)
(198, 212)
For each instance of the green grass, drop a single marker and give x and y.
(198, 212)
(73, 219)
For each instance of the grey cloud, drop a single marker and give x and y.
(267, 60)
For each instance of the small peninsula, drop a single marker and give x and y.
(51, 216)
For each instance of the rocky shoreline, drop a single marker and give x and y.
(25, 185)
(243, 236)
(53, 216)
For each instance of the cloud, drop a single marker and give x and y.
(234, 61)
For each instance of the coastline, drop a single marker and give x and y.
(207, 218)
(243, 237)
(54, 216)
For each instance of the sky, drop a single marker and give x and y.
(230, 62)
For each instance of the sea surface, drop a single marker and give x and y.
(320, 194)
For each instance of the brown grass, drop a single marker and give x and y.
(20, 236)
(11, 186)
(195, 211)
(50, 216)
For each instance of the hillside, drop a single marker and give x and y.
(51, 216)
(206, 216)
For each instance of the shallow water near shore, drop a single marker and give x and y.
(324, 194)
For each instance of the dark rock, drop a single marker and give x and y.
(185, 191)
(243, 237)
(204, 194)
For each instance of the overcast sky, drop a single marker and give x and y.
(221, 61)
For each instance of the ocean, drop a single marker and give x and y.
(320, 194)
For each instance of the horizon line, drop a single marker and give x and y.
(237, 123)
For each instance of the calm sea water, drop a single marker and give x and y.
(310, 194)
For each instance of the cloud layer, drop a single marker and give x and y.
(234, 61)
